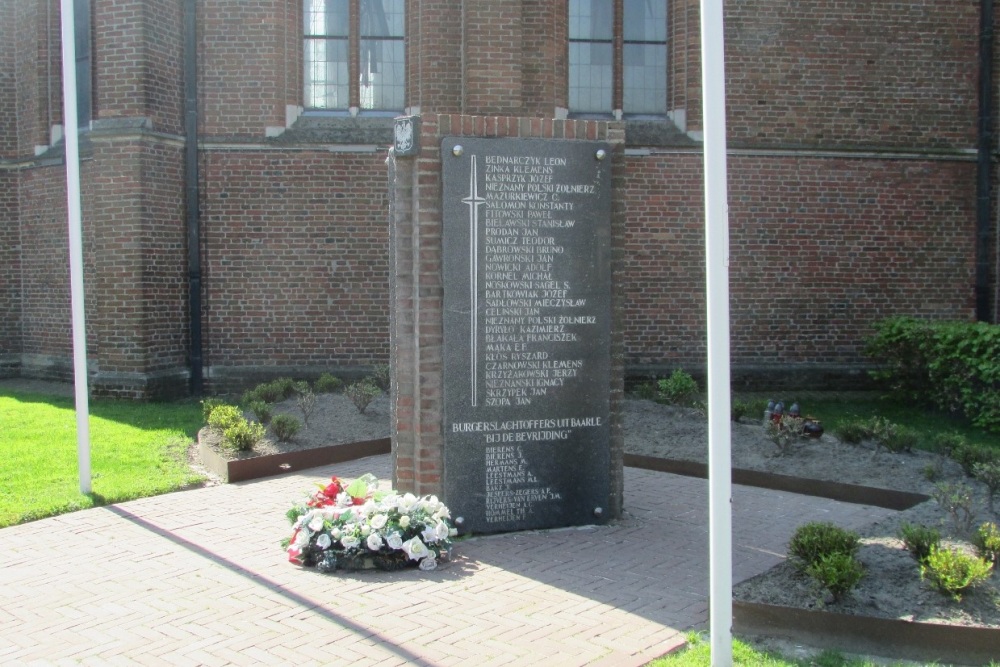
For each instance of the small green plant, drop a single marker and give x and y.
(946, 443)
(838, 573)
(988, 474)
(261, 410)
(680, 388)
(900, 439)
(987, 542)
(243, 435)
(382, 375)
(738, 409)
(284, 427)
(891, 436)
(952, 571)
(645, 390)
(932, 471)
(223, 416)
(956, 500)
(919, 540)
(362, 394)
(812, 541)
(274, 391)
(969, 456)
(209, 404)
(785, 433)
(328, 384)
(852, 432)
(306, 400)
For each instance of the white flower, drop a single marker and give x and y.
(335, 533)
(366, 530)
(374, 542)
(378, 521)
(427, 564)
(406, 502)
(301, 539)
(350, 541)
(442, 530)
(316, 522)
(394, 540)
(414, 548)
(323, 541)
(404, 522)
(429, 534)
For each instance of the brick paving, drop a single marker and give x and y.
(197, 578)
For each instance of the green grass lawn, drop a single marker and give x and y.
(698, 654)
(136, 450)
(832, 408)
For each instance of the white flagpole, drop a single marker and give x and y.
(717, 290)
(75, 215)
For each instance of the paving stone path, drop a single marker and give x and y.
(198, 578)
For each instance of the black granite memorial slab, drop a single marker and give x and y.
(527, 332)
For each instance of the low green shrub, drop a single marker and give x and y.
(785, 433)
(919, 540)
(954, 366)
(274, 391)
(817, 539)
(947, 443)
(261, 410)
(208, 405)
(956, 500)
(306, 400)
(738, 409)
(969, 456)
(362, 394)
(680, 388)
(988, 474)
(223, 416)
(987, 542)
(852, 432)
(838, 573)
(952, 571)
(242, 435)
(899, 440)
(328, 384)
(382, 375)
(645, 390)
(284, 427)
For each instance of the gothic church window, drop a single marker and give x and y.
(618, 57)
(354, 54)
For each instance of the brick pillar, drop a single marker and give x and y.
(416, 321)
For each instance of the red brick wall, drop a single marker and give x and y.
(8, 82)
(897, 74)
(10, 272)
(434, 59)
(874, 235)
(45, 318)
(139, 283)
(138, 59)
(820, 249)
(295, 259)
(249, 52)
(37, 73)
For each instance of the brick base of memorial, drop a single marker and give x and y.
(241, 470)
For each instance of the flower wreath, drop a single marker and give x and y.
(358, 525)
